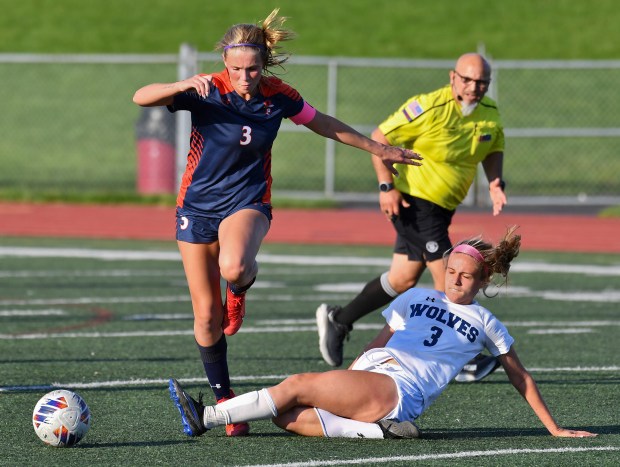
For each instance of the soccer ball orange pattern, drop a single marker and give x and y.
(61, 418)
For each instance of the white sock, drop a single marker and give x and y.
(255, 405)
(340, 427)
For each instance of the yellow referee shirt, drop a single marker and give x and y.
(452, 145)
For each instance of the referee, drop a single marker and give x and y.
(453, 128)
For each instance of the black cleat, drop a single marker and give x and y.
(393, 429)
(331, 334)
(477, 368)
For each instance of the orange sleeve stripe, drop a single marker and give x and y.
(193, 157)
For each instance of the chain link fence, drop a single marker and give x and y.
(71, 130)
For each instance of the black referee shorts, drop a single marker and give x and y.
(422, 230)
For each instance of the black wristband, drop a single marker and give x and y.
(386, 186)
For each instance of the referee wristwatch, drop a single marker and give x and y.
(502, 184)
(386, 186)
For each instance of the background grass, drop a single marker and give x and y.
(136, 424)
(526, 29)
(70, 130)
(73, 134)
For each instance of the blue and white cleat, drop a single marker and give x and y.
(190, 409)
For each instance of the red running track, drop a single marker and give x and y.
(542, 232)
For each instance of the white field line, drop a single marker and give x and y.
(132, 255)
(91, 273)
(22, 313)
(604, 296)
(561, 327)
(609, 295)
(275, 326)
(438, 456)
(91, 300)
(165, 299)
(240, 378)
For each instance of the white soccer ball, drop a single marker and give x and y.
(61, 418)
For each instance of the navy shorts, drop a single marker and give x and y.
(422, 230)
(192, 228)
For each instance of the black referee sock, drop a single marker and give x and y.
(216, 367)
(373, 296)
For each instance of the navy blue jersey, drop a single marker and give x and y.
(229, 161)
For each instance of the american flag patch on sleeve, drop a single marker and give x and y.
(412, 110)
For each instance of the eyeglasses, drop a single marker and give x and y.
(481, 83)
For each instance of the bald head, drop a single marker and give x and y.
(470, 79)
(473, 65)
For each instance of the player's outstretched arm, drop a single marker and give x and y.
(527, 387)
(330, 127)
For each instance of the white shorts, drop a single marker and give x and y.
(410, 400)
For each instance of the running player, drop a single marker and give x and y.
(224, 202)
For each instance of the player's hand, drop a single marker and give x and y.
(201, 83)
(391, 202)
(564, 433)
(391, 155)
(498, 197)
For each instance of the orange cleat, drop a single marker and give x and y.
(235, 429)
(234, 311)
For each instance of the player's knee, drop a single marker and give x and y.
(232, 269)
(300, 387)
(295, 381)
(402, 284)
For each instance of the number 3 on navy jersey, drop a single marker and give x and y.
(434, 336)
(247, 135)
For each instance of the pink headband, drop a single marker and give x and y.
(244, 44)
(469, 250)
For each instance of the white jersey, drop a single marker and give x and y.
(434, 338)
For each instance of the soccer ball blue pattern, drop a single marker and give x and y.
(61, 418)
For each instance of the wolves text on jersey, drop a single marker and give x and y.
(445, 317)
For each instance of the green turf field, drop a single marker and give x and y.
(112, 321)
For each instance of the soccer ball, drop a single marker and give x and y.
(61, 418)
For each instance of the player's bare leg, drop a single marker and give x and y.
(241, 235)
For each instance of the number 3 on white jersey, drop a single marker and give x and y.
(247, 135)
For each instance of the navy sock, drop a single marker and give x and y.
(216, 367)
(239, 290)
